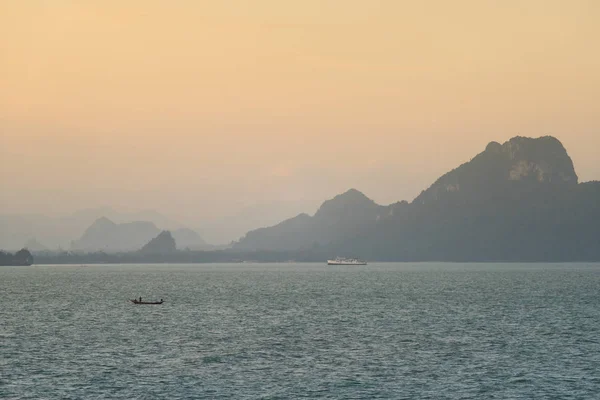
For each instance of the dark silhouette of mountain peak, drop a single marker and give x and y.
(493, 147)
(352, 195)
(162, 244)
(544, 159)
(520, 162)
(103, 222)
(351, 201)
(337, 218)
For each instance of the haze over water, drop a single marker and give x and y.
(280, 331)
(207, 109)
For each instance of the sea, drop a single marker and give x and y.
(301, 331)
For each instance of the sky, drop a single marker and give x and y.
(202, 109)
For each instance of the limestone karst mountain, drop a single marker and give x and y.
(106, 235)
(336, 219)
(160, 245)
(520, 200)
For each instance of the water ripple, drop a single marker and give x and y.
(384, 331)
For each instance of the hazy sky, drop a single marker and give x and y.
(200, 108)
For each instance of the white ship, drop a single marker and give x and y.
(346, 261)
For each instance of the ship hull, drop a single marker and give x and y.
(333, 262)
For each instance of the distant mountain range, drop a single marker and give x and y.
(520, 200)
(105, 235)
(40, 232)
(517, 201)
(85, 229)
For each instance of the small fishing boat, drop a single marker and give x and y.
(136, 301)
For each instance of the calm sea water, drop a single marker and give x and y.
(286, 331)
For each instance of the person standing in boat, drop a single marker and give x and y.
(140, 299)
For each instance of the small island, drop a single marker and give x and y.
(21, 257)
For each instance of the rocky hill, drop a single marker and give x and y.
(521, 162)
(105, 235)
(160, 245)
(336, 219)
(520, 200)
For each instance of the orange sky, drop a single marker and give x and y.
(200, 108)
